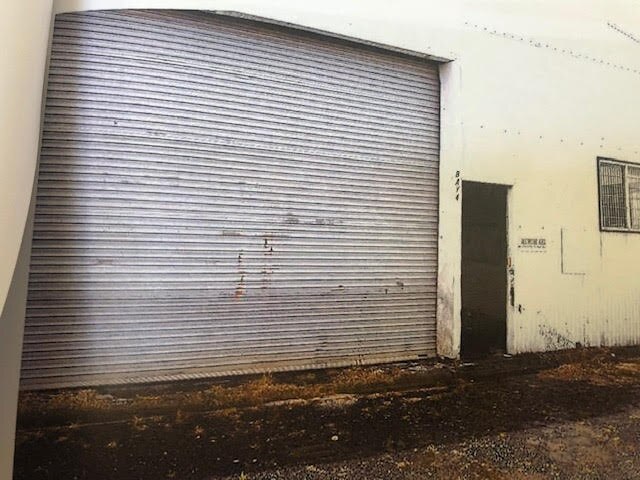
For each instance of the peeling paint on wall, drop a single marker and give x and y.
(553, 339)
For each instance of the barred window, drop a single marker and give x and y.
(633, 181)
(619, 195)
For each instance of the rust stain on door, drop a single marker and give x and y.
(240, 287)
(267, 267)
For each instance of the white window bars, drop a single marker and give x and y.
(619, 184)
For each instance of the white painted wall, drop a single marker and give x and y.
(537, 91)
(24, 35)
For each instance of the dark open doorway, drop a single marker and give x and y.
(484, 269)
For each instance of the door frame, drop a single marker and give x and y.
(511, 287)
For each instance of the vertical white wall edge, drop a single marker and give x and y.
(450, 212)
(25, 30)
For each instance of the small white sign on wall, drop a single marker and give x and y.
(533, 244)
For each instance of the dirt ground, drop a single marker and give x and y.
(564, 415)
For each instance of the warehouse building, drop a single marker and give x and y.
(239, 187)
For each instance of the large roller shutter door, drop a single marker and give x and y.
(216, 196)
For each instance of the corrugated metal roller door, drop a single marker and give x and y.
(216, 196)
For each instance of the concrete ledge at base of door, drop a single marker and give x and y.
(115, 403)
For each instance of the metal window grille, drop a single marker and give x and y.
(633, 182)
(619, 196)
(612, 196)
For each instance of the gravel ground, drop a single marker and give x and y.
(573, 418)
(606, 447)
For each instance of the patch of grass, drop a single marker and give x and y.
(88, 404)
(597, 370)
(79, 399)
(353, 379)
(138, 423)
(262, 390)
(364, 380)
(86, 399)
